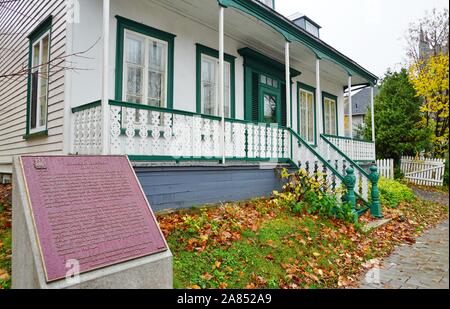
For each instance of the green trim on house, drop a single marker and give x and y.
(292, 32)
(260, 62)
(36, 135)
(349, 160)
(87, 106)
(326, 95)
(302, 86)
(255, 62)
(204, 50)
(179, 112)
(127, 24)
(209, 159)
(43, 27)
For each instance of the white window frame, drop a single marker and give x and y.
(146, 39)
(37, 67)
(227, 88)
(306, 136)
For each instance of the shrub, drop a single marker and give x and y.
(303, 194)
(392, 193)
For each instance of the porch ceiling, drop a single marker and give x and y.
(251, 32)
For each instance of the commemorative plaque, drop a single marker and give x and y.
(88, 209)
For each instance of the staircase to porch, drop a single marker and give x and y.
(152, 134)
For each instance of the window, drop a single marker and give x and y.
(268, 81)
(210, 87)
(307, 114)
(145, 70)
(330, 114)
(145, 62)
(38, 79)
(208, 83)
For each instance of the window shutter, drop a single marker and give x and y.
(283, 106)
(255, 97)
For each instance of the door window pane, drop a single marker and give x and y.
(270, 109)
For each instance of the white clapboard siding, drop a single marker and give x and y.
(386, 168)
(17, 20)
(424, 171)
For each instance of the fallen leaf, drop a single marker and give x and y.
(270, 257)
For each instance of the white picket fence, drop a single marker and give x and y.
(423, 171)
(386, 168)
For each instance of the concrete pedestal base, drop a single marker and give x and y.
(151, 272)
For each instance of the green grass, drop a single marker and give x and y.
(263, 257)
(5, 254)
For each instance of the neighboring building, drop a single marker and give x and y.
(146, 83)
(361, 107)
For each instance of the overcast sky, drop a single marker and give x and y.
(368, 31)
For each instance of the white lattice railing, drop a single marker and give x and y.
(87, 129)
(357, 150)
(329, 150)
(309, 159)
(162, 133)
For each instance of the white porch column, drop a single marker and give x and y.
(350, 106)
(222, 77)
(319, 124)
(350, 115)
(105, 103)
(288, 85)
(372, 109)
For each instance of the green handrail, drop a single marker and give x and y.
(86, 106)
(307, 145)
(186, 113)
(355, 165)
(328, 165)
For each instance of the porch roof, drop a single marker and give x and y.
(265, 30)
(294, 33)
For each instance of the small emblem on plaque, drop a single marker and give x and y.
(39, 164)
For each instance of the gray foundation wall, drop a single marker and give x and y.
(185, 187)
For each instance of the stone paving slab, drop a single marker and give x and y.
(424, 265)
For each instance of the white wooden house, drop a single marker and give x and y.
(206, 97)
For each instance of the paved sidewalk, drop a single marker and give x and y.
(421, 266)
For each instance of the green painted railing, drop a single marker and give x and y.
(153, 133)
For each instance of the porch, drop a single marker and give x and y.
(265, 78)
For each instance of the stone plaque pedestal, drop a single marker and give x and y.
(28, 267)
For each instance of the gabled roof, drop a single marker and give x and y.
(361, 101)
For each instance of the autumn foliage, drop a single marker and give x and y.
(430, 79)
(264, 244)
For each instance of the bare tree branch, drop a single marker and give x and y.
(62, 62)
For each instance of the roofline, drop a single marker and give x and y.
(290, 30)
